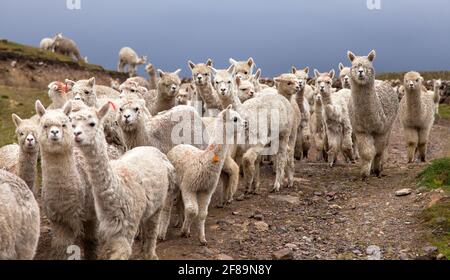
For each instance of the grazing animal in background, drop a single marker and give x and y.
(198, 171)
(19, 219)
(129, 193)
(67, 46)
(373, 110)
(128, 57)
(417, 110)
(46, 44)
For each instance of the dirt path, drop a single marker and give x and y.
(330, 214)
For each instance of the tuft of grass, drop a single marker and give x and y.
(437, 220)
(444, 111)
(436, 175)
(21, 102)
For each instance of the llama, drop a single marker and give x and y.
(198, 171)
(19, 219)
(22, 157)
(46, 44)
(373, 109)
(201, 75)
(243, 69)
(66, 191)
(129, 193)
(167, 89)
(127, 56)
(417, 111)
(344, 76)
(335, 116)
(66, 46)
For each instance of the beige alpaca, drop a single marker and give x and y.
(224, 85)
(344, 76)
(22, 158)
(335, 116)
(19, 219)
(167, 89)
(373, 109)
(129, 193)
(246, 89)
(153, 77)
(59, 94)
(66, 46)
(243, 69)
(66, 191)
(318, 130)
(417, 112)
(185, 94)
(127, 56)
(204, 90)
(198, 170)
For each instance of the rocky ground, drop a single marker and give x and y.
(328, 214)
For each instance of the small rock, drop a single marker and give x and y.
(235, 213)
(403, 256)
(335, 206)
(13, 63)
(403, 192)
(40, 63)
(207, 251)
(441, 257)
(291, 246)
(318, 193)
(283, 254)
(373, 252)
(223, 257)
(430, 251)
(261, 226)
(357, 252)
(285, 198)
(307, 239)
(258, 217)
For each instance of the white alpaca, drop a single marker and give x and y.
(243, 69)
(344, 76)
(19, 219)
(21, 159)
(59, 94)
(66, 46)
(198, 171)
(129, 193)
(46, 44)
(318, 130)
(127, 56)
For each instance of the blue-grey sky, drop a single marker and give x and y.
(407, 34)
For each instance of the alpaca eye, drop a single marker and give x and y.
(136, 109)
(133, 90)
(289, 83)
(86, 92)
(229, 82)
(217, 82)
(45, 126)
(21, 134)
(120, 109)
(73, 126)
(245, 72)
(235, 119)
(92, 124)
(64, 125)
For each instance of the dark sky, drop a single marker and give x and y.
(407, 34)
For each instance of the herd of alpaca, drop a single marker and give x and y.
(116, 160)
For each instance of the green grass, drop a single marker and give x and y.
(21, 102)
(444, 111)
(436, 175)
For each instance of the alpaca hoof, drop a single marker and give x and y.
(185, 234)
(203, 242)
(276, 188)
(240, 198)
(162, 237)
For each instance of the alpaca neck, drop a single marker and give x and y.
(153, 80)
(217, 149)
(59, 100)
(59, 170)
(164, 102)
(326, 98)
(27, 167)
(208, 95)
(413, 102)
(138, 136)
(367, 105)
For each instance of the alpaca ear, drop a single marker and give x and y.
(230, 69)
(209, 62)
(331, 73)
(40, 109)
(16, 120)
(257, 75)
(191, 64)
(341, 66)
(232, 61)
(177, 72)
(238, 81)
(372, 55)
(351, 56)
(213, 70)
(306, 69)
(161, 73)
(103, 111)
(316, 73)
(230, 107)
(277, 79)
(69, 84)
(67, 109)
(250, 61)
(293, 70)
(91, 82)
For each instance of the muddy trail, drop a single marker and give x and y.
(328, 214)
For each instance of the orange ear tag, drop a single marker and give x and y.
(216, 158)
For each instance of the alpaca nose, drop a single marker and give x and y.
(30, 139)
(199, 77)
(223, 89)
(127, 116)
(173, 88)
(251, 93)
(77, 133)
(54, 132)
(297, 87)
(411, 85)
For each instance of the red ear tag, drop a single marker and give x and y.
(112, 105)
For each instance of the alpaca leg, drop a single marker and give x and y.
(116, 248)
(290, 166)
(150, 235)
(190, 211)
(166, 213)
(248, 165)
(332, 148)
(256, 179)
(412, 138)
(423, 143)
(120, 66)
(381, 143)
(132, 69)
(203, 203)
(62, 239)
(90, 240)
(355, 148)
(180, 211)
(232, 169)
(299, 145)
(367, 152)
(281, 158)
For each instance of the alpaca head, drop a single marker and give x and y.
(201, 73)
(128, 87)
(287, 84)
(302, 76)
(58, 91)
(87, 125)
(54, 131)
(142, 60)
(246, 89)
(412, 82)
(84, 90)
(169, 83)
(317, 99)
(344, 76)
(223, 81)
(26, 131)
(362, 71)
(114, 83)
(324, 81)
(131, 113)
(232, 124)
(185, 94)
(243, 69)
(149, 69)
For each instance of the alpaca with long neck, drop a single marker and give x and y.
(153, 77)
(373, 109)
(336, 118)
(129, 193)
(167, 90)
(19, 219)
(66, 191)
(224, 85)
(198, 171)
(318, 130)
(417, 110)
(21, 158)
